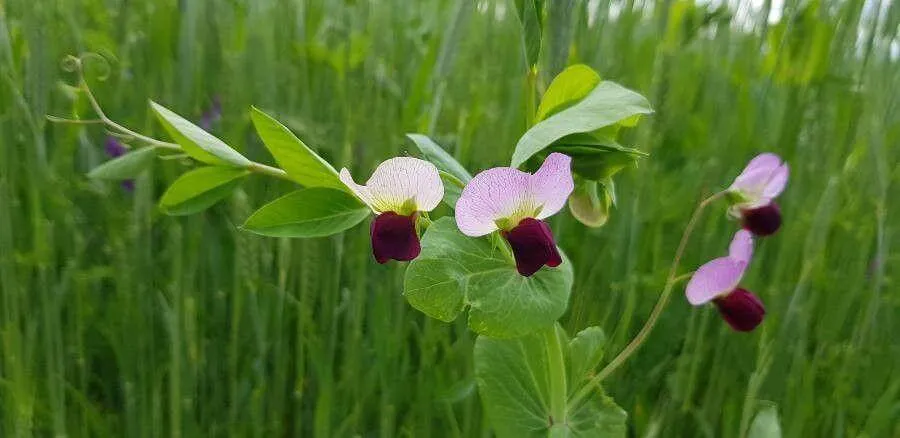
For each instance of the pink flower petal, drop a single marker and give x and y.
(717, 277)
(777, 182)
(763, 179)
(552, 184)
(741, 248)
(505, 193)
(491, 195)
(397, 181)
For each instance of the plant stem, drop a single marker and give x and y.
(657, 309)
(557, 373)
(260, 168)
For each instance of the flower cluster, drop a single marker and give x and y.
(501, 199)
(753, 195)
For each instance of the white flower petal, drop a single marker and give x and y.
(397, 181)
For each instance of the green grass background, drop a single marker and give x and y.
(116, 320)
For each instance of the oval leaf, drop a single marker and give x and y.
(567, 88)
(455, 272)
(125, 167)
(312, 212)
(298, 160)
(607, 104)
(513, 379)
(195, 141)
(199, 189)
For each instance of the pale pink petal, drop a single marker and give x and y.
(398, 181)
(741, 248)
(494, 194)
(552, 184)
(758, 172)
(777, 182)
(715, 278)
(361, 192)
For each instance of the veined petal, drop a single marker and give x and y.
(510, 195)
(399, 184)
(552, 184)
(741, 248)
(491, 195)
(717, 277)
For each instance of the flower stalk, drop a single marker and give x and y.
(642, 335)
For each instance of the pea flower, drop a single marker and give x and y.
(754, 192)
(399, 189)
(718, 281)
(515, 202)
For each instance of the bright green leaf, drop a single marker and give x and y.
(585, 351)
(199, 189)
(312, 212)
(298, 160)
(125, 167)
(607, 104)
(765, 424)
(567, 88)
(195, 141)
(514, 381)
(455, 272)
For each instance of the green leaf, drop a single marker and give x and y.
(514, 381)
(125, 167)
(455, 272)
(531, 17)
(765, 424)
(298, 160)
(607, 104)
(196, 142)
(567, 88)
(312, 212)
(199, 189)
(585, 351)
(449, 167)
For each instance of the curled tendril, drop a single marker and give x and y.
(77, 64)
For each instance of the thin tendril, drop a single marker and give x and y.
(654, 314)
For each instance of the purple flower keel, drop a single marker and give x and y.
(762, 221)
(742, 310)
(533, 246)
(394, 237)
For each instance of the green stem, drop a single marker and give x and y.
(255, 167)
(557, 373)
(654, 314)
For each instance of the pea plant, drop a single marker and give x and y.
(494, 261)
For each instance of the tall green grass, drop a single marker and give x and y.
(118, 321)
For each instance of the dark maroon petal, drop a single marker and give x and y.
(533, 246)
(742, 310)
(394, 237)
(762, 221)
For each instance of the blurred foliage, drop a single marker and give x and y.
(116, 320)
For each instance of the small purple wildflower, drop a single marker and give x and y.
(212, 114)
(115, 148)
